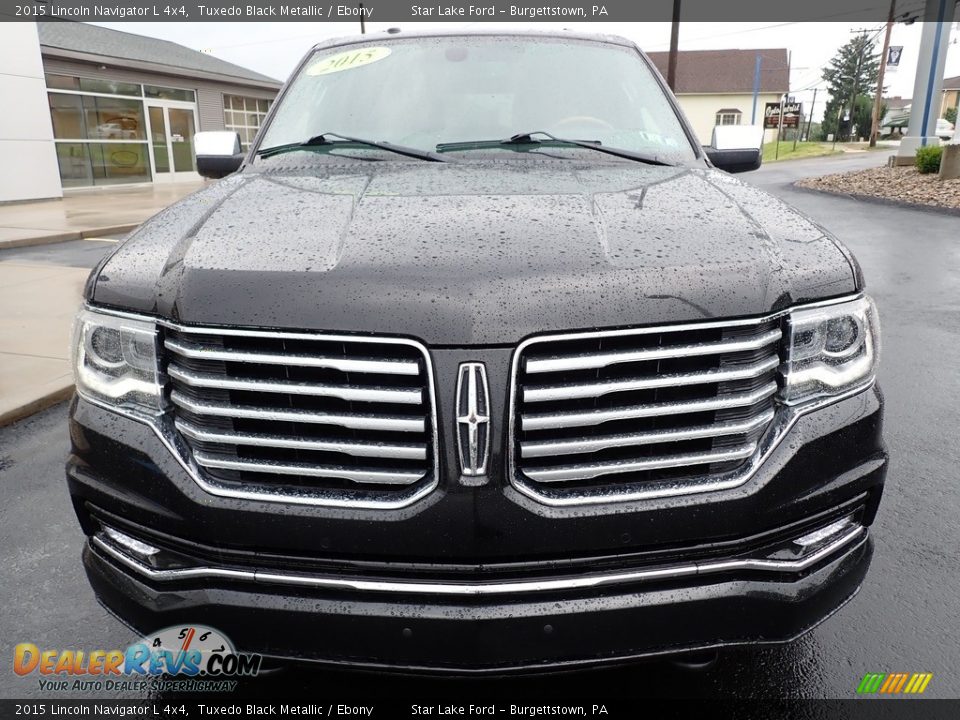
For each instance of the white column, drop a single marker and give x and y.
(29, 158)
(928, 85)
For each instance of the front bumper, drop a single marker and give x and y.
(830, 465)
(499, 633)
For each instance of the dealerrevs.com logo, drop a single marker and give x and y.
(185, 657)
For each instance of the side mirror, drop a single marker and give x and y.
(736, 148)
(218, 153)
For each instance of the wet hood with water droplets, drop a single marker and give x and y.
(473, 253)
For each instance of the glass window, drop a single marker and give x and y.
(111, 87)
(62, 82)
(85, 164)
(66, 112)
(163, 93)
(425, 91)
(74, 161)
(119, 163)
(244, 115)
(93, 118)
(114, 118)
(728, 117)
(94, 85)
(90, 117)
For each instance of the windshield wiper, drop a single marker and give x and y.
(527, 138)
(346, 141)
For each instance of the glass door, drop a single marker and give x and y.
(172, 127)
(158, 140)
(180, 121)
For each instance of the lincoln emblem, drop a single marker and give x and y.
(473, 419)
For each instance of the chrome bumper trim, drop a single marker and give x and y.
(855, 537)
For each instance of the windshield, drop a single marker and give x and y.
(422, 92)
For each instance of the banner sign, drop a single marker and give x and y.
(894, 52)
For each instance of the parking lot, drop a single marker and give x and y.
(905, 619)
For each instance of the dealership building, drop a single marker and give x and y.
(98, 107)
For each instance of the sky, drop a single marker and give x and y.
(274, 49)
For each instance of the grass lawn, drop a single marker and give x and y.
(804, 150)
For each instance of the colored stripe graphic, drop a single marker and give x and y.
(889, 682)
(894, 683)
(927, 677)
(901, 682)
(871, 683)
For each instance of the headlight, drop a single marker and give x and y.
(830, 350)
(115, 361)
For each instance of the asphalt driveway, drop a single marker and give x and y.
(906, 617)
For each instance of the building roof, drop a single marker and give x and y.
(897, 102)
(82, 41)
(951, 83)
(727, 71)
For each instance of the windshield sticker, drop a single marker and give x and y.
(348, 60)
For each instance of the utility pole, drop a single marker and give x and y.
(837, 133)
(813, 104)
(363, 27)
(674, 43)
(779, 127)
(875, 118)
(783, 99)
(756, 87)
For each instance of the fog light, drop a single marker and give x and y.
(137, 548)
(825, 534)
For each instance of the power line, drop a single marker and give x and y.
(735, 32)
(256, 42)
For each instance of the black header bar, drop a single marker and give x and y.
(478, 11)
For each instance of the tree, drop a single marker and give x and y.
(851, 74)
(951, 115)
(863, 116)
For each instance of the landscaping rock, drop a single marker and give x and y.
(899, 184)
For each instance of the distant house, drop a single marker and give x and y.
(897, 115)
(897, 118)
(715, 87)
(951, 94)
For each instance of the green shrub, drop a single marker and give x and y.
(951, 115)
(928, 158)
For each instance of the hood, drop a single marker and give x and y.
(472, 254)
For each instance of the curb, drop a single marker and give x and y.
(54, 238)
(43, 402)
(873, 199)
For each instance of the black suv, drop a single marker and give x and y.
(477, 361)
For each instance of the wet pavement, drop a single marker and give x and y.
(905, 619)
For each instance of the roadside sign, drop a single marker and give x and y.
(792, 115)
(894, 52)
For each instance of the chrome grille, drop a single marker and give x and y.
(341, 419)
(609, 413)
